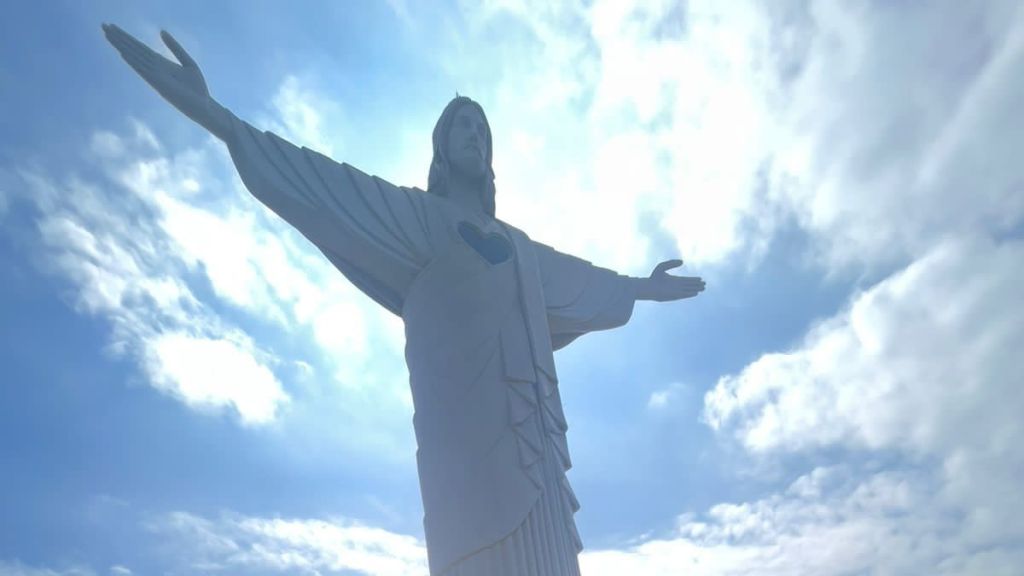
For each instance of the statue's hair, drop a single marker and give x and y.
(437, 182)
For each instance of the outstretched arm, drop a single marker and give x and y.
(377, 234)
(583, 298)
(181, 84)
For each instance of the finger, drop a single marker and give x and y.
(177, 50)
(125, 42)
(149, 65)
(130, 52)
(144, 68)
(142, 63)
(665, 266)
(118, 36)
(689, 282)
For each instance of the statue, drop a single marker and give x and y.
(484, 307)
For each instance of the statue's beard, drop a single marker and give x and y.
(469, 171)
(467, 176)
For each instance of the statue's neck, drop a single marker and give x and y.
(468, 194)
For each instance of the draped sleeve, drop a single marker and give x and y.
(380, 236)
(581, 297)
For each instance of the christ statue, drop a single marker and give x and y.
(484, 308)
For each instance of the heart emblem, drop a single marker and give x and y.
(491, 247)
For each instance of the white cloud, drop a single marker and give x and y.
(275, 545)
(831, 521)
(302, 115)
(723, 122)
(660, 399)
(145, 250)
(241, 261)
(252, 259)
(124, 270)
(891, 140)
(609, 118)
(923, 361)
(134, 258)
(209, 372)
(823, 524)
(924, 365)
(106, 144)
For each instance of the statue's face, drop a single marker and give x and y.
(467, 142)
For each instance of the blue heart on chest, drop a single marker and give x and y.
(491, 246)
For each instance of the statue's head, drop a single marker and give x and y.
(462, 149)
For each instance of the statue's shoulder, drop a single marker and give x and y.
(514, 231)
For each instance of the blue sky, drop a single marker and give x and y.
(188, 387)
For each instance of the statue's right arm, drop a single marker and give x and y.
(181, 84)
(379, 235)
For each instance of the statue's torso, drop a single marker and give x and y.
(478, 394)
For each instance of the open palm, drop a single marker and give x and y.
(181, 84)
(664, 287)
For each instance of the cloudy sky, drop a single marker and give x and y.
(188, 387)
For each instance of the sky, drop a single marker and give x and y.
(188, 387)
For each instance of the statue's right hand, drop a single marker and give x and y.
(180, 84)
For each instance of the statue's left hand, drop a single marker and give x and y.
(663, 287)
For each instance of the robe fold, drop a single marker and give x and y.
(483, 313)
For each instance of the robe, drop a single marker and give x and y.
(484, 307)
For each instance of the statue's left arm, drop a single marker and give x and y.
(584, 298)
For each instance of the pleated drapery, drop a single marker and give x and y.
(545, 544)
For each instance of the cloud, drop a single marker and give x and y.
(823, 524)
(923, 361)
(169, 247)
(122, 268)
(922, 365)
(139, 247)
(889, 141)
(622, 128)
(830, 521)
(255, 545)
(207, 372)
(661, 399)
(715, 125)
(303, 115)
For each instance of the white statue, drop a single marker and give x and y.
(484, 308)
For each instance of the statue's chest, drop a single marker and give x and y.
(472, 279)
(477, 308)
